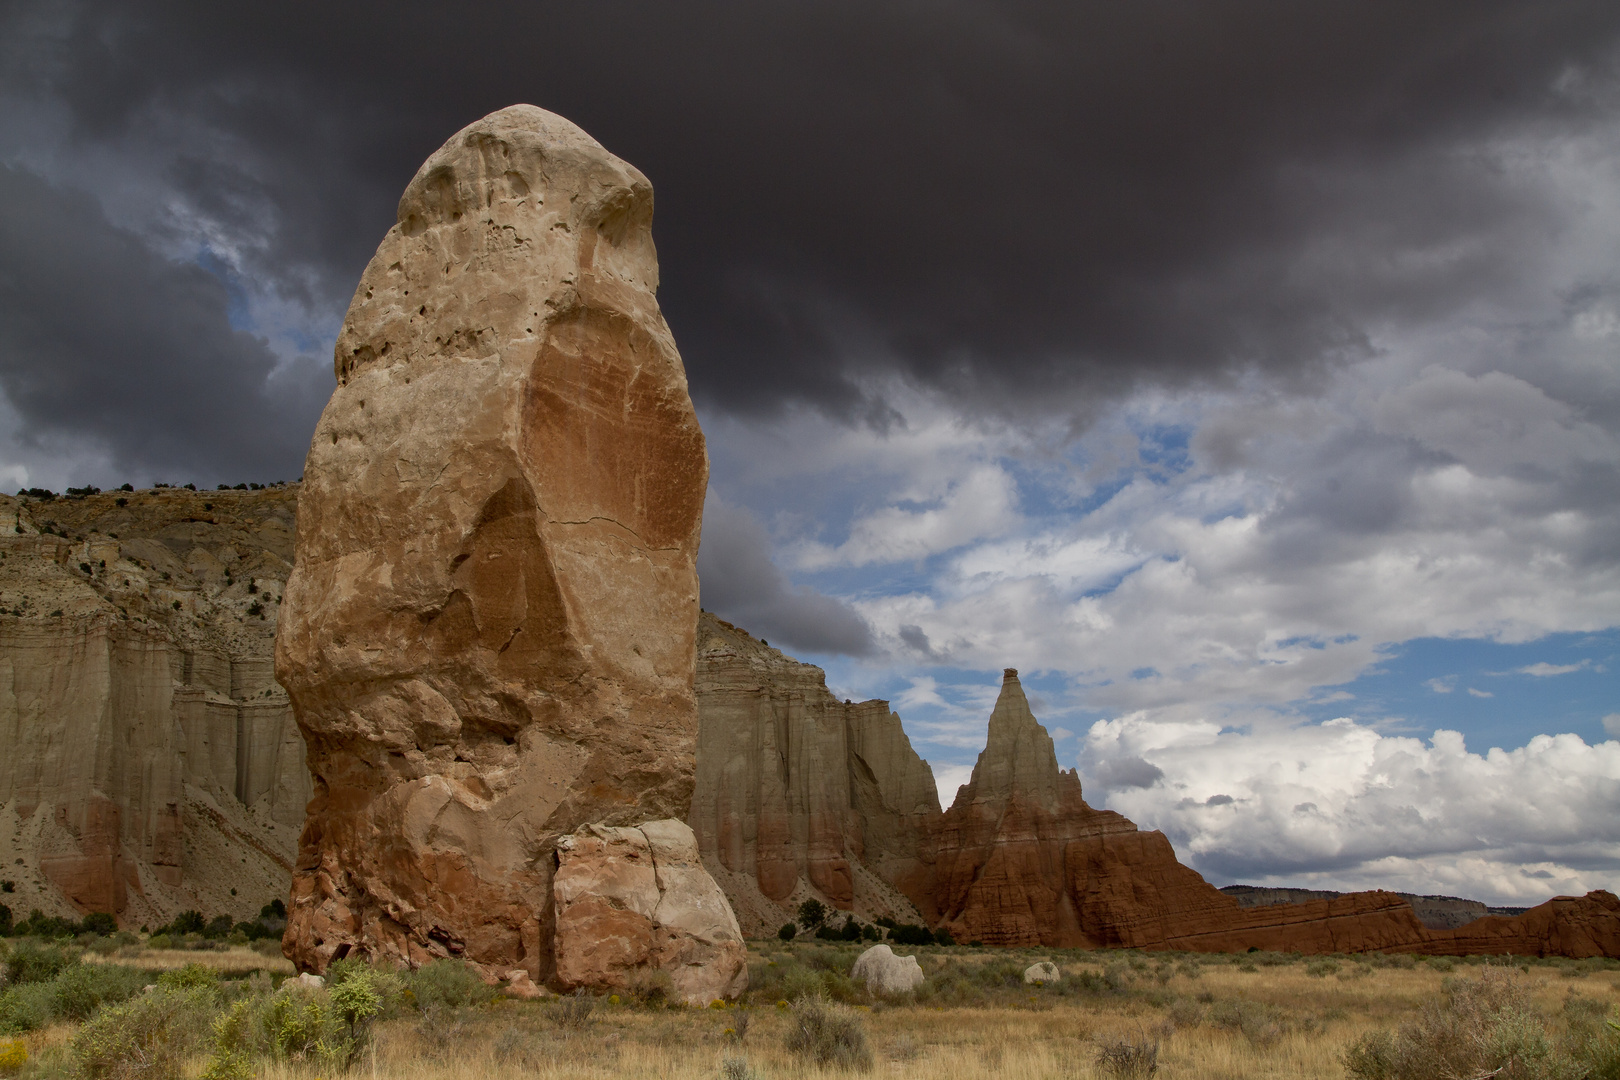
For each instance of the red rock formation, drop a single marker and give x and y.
(1020, 859)
(632, 899)
(798, 794)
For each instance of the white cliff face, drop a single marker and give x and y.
(150, 762)
(800, 795)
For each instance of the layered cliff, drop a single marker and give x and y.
(800, 795)
(151, 761)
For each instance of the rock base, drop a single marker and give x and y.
(634, 901)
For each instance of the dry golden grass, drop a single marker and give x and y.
(228, 962)
(1038, 1036)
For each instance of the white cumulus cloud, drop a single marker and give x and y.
(1341, 805)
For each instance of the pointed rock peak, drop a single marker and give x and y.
(1018, 756)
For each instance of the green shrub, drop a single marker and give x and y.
(911, 934)
(1321, 969)
(99, 922)
(788, 932)
(1259, 1023)
(83, 988)
(187, 922)
(828, 1035)
(25, 1008)
(190, 977)
(159, 941)
(296, 1021)
(147, 1037)
(812, 913)
(33, 963)
(234, 1044)
(573, 1013)
(652, 989)
(1186, 1013)
(797, 981)
(449, 983)
(1005, 974)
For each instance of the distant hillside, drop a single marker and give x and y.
(1435, 912)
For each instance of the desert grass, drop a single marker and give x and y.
(1209, 1017)
(1212, 1021)
(230, 963)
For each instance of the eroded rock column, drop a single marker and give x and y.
(488, 636)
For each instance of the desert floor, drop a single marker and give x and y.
(1211, 1017)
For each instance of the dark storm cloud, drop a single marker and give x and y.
(743, 586)
(107, 343)
(1021, 205)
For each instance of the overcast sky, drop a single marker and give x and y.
(1247, 374)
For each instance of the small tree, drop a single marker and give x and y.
(812, 913)
(787, 933)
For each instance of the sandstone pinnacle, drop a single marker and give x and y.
(488, 634)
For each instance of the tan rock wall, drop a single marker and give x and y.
(121, 734)
(799, 795)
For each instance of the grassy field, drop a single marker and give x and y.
(1210, 1017)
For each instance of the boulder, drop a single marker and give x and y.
(309, 981)
(487, 636)
(637, 899)
(1043, 972)
(519, 985)
(885, 973)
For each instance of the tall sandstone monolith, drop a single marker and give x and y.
(488, 635)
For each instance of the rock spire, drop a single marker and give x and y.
(488, 635)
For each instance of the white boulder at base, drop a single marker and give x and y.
(885, 973)
(1043, 972)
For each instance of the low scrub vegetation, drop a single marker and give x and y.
(65, 1012)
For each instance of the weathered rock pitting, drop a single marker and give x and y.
(488, 634)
